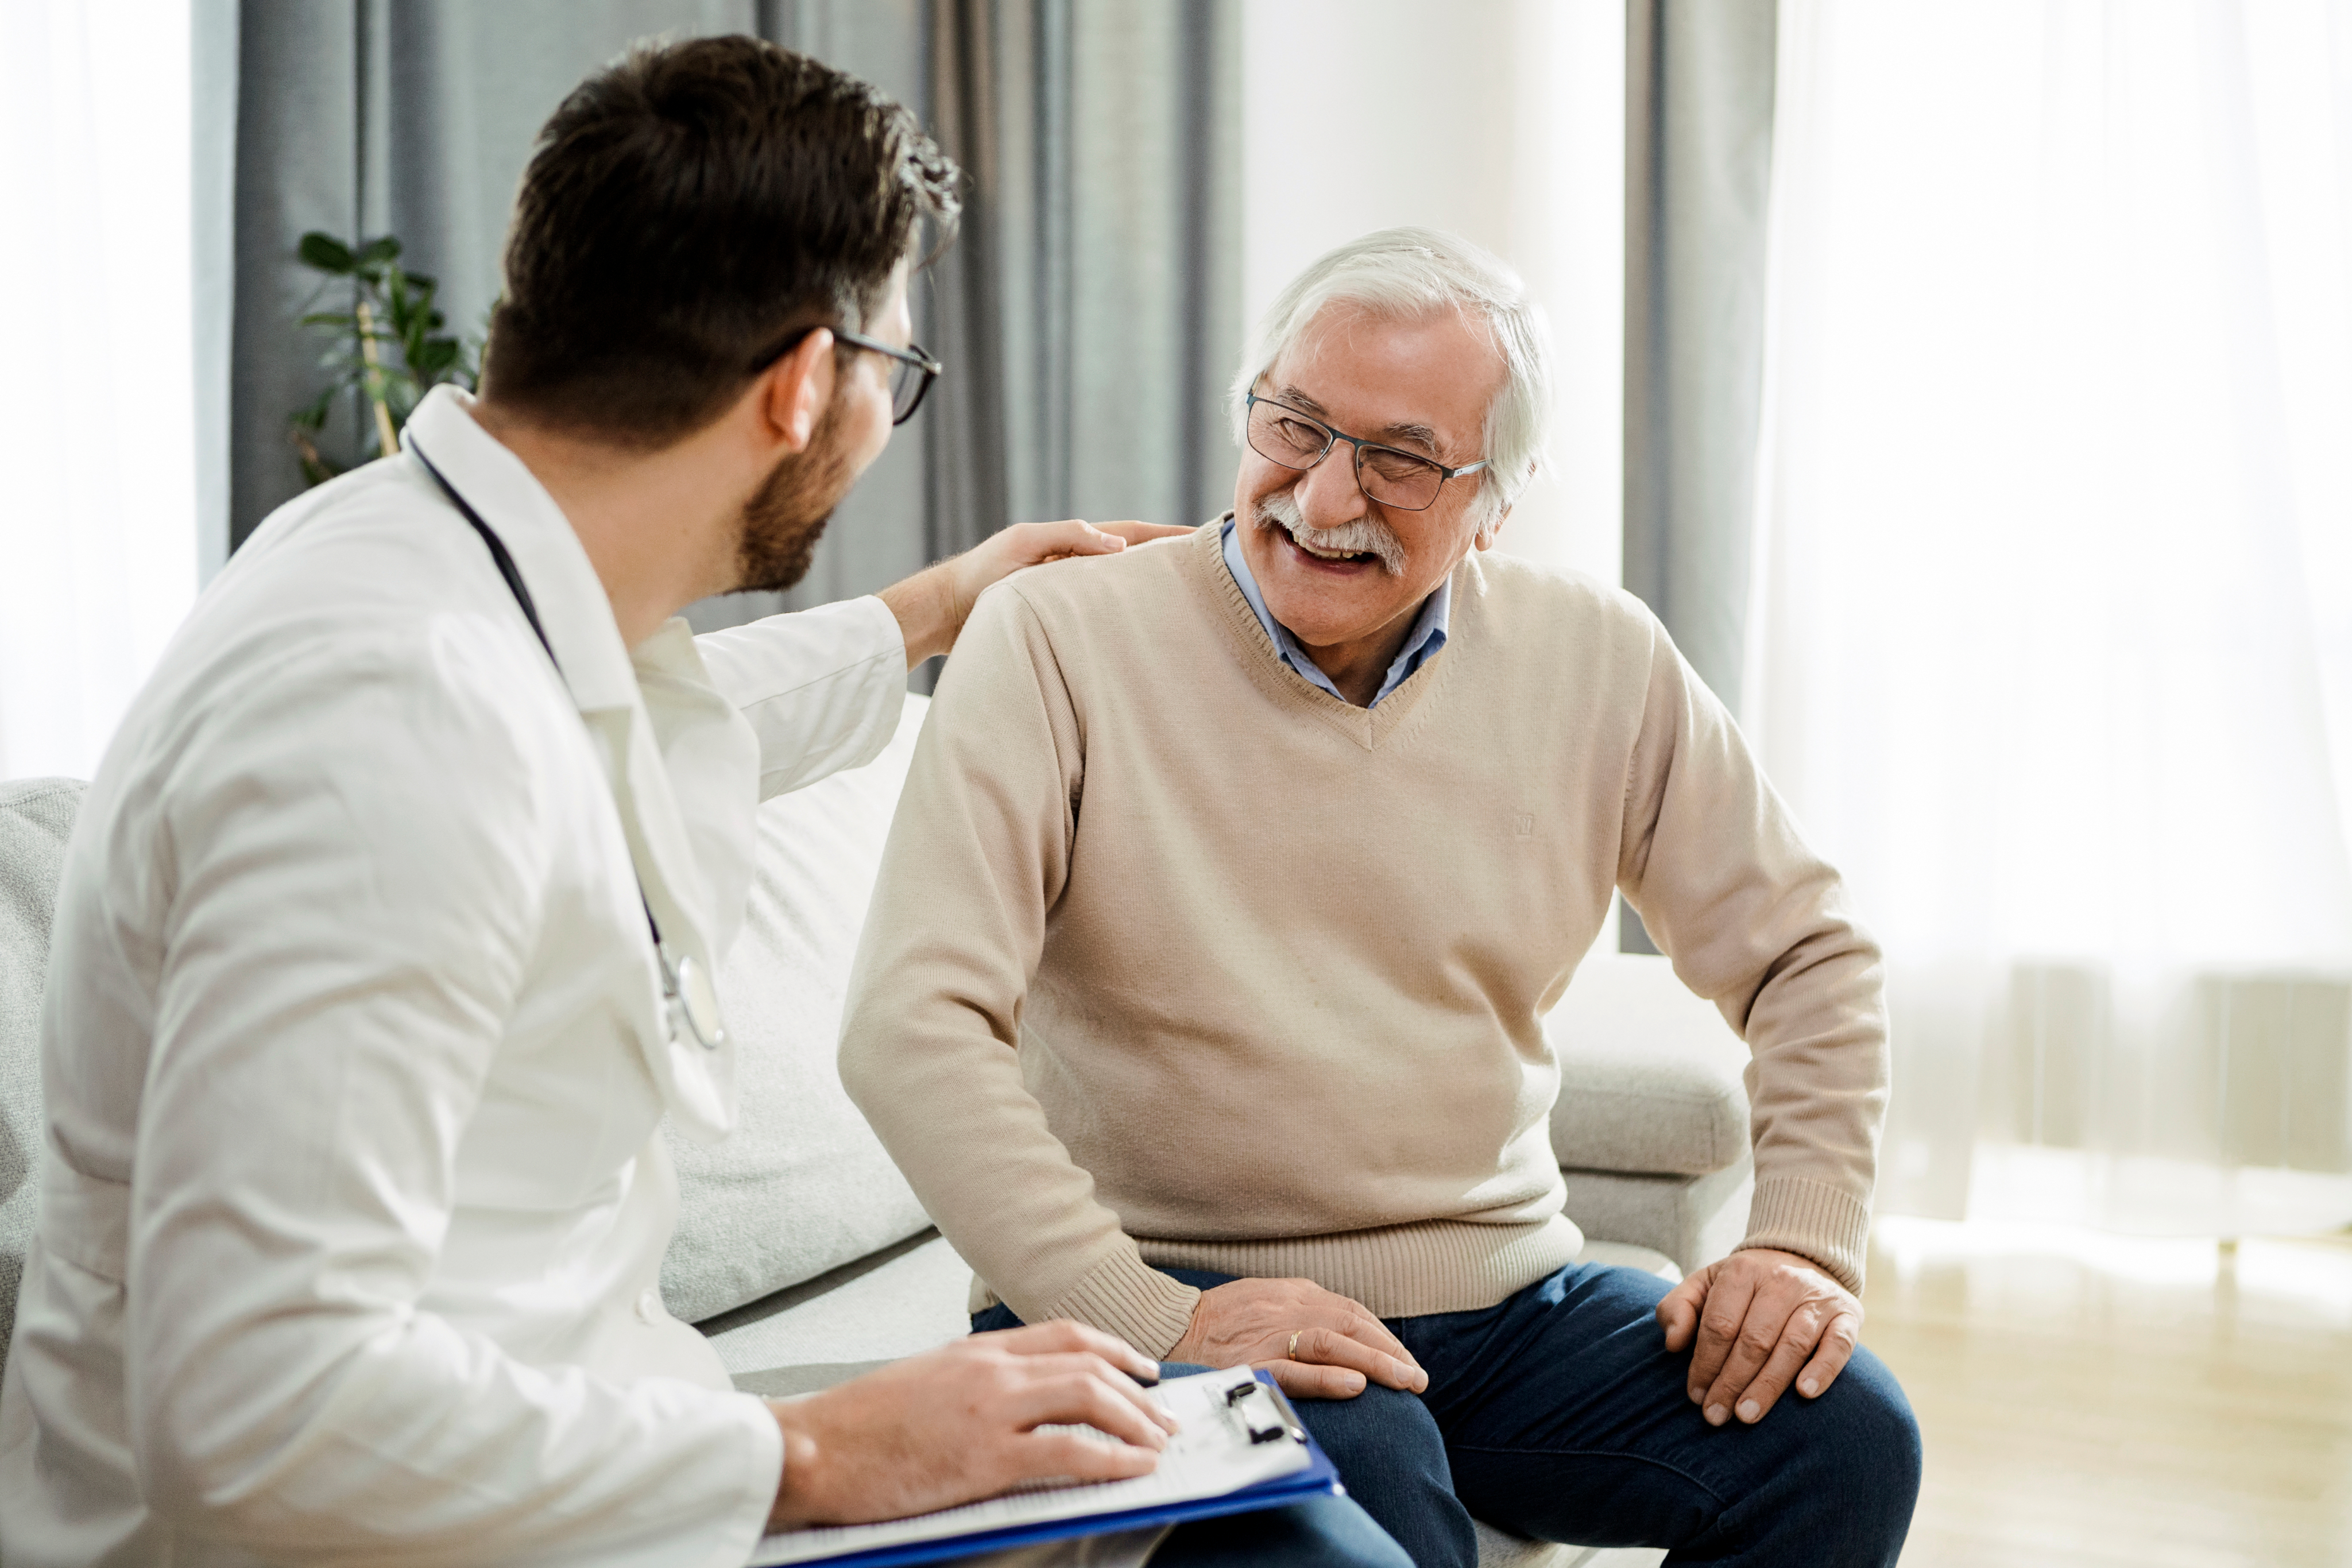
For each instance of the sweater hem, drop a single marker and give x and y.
(1398, 1271)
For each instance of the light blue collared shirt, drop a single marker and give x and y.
(1427, 636)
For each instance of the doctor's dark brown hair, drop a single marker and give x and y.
(683, 211)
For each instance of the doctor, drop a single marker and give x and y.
(384, 940)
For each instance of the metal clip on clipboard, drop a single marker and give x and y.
(1263, 1413)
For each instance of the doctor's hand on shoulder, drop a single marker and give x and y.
(962, 1422)
(931, 605)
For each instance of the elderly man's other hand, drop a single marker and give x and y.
(962, 1422)
(1318, 1343)
(1762, 1319)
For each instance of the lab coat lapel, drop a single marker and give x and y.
(709, 760)
(697, 1084)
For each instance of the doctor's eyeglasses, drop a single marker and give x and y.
(911, 373)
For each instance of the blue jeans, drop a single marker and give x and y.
(1327, 1532)
(1558, 1414)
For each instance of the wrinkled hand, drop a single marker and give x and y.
(1762, 1319)
(1340, 1343)
(931, 605)
(961, 1423)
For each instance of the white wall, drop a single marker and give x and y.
(1501, 120)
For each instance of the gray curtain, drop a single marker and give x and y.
(409, 117)
(1095, 295)
(1087, 315)
(1698, 150)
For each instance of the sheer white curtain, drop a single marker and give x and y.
(98, 492)
(2051, 641)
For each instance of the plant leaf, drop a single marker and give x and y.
(381, 249)
(325, 252)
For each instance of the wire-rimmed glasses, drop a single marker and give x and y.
(911, 375)
(1393, 477)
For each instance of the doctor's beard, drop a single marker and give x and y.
(786, 516)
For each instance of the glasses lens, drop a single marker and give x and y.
(908, 382)
(1398, 479)
(1279, 436)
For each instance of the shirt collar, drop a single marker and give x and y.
(1427, 636)
(565, 589)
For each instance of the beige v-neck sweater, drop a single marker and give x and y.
(1175, 959)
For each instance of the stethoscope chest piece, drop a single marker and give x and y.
(693, 1003)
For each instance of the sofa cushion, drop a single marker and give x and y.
(1650, 1076)
(900, 1303)
(36, 816)
(803, 1186)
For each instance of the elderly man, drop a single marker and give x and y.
(1200, 993)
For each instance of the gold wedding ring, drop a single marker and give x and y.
(1294, 1344)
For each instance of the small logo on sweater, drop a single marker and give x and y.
(1523, 826)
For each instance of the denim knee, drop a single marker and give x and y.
(1393, 1457)
(1887, 1426)
(1868, 1460)
(1383, 1441)
(1322, 1532)
(1882, 1432)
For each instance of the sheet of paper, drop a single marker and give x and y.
(1211, 1454)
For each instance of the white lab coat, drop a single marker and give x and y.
(354, 1202)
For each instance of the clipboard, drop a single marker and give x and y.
(1268, 1420)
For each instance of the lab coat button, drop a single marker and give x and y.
(649, 1306)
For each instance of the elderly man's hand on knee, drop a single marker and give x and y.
(1318, 1343)
(1761, 1321)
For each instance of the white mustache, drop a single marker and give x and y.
(1365, 536)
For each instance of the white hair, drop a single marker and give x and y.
(1409, 275)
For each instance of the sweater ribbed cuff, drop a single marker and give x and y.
(1790, 1214)
(1124, 1295)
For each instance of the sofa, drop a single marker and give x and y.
(802, 1251)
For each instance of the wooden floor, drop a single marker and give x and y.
(2097, 1400)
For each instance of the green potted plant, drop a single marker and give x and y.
(388, 346)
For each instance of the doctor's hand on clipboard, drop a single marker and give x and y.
(962, 1422)
(931, 605)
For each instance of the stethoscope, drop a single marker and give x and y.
(687, 991)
